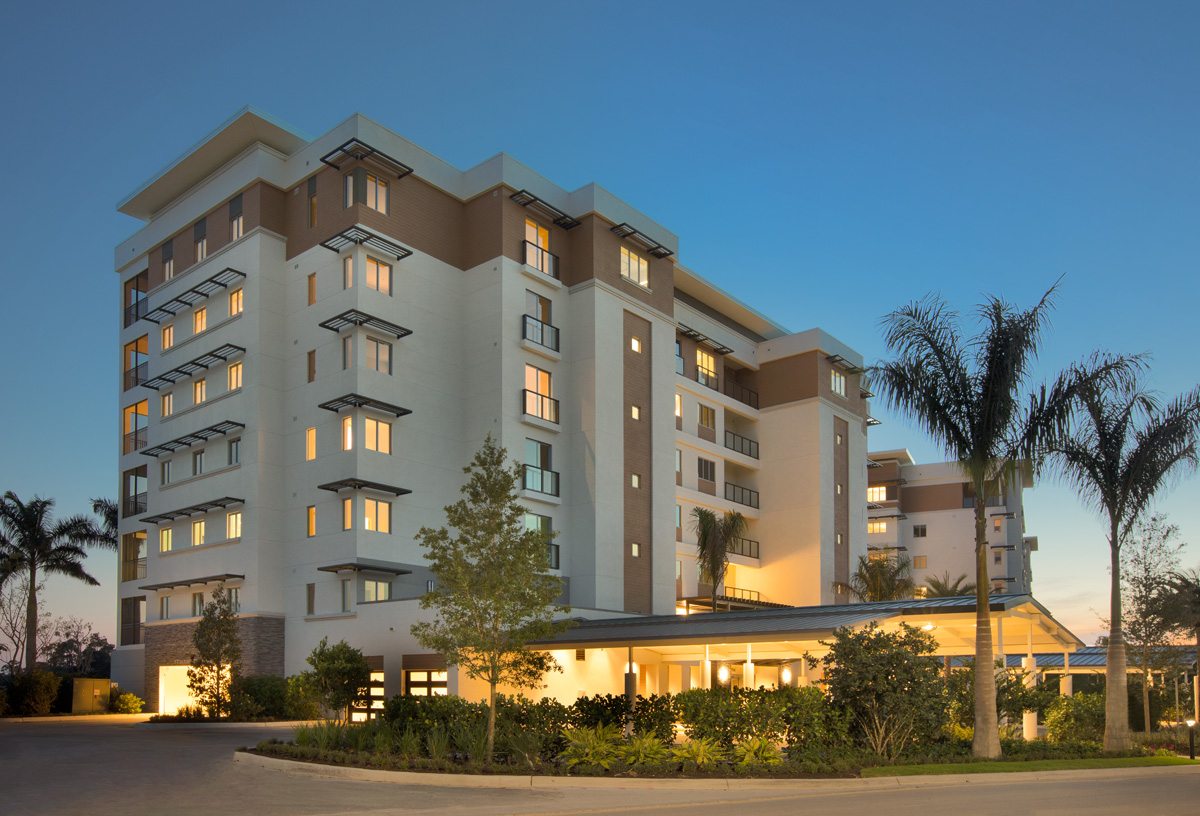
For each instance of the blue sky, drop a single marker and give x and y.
(824, 161)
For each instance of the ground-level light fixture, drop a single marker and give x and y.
(785, 674)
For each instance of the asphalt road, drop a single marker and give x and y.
(98, 766)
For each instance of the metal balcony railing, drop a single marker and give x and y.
(542, 260)
(678, 365)
(135, 376)
(535, 331)
(744, 546)
(132, 505)
(706, 377)
(540, 406)
(741, 495)
(740, 594)
(136, 311)
(744, 446)
(541, 480)
(132, 634)
(740, 393)
(133, 570)
(135, 440)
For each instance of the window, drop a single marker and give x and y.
(347, 433)
(135, 418)
(197, 604)
(310, 599)
(164, 472)
(168, 268)
(876, 526)
(379, 435)
(199, 320)
(708, 417)
(235, 451)
(311, 522)
(635, 411)
(197, 533)
(164, 607)
(706, 469)
(678, 357)
(233, 525)
(312, 365)
(538, 400)
(635, 549)
(706, 369)
(310, 444)
(678, 570)
(347, 271)
(837, 439)
(312, 288)
(838, 538)
(199, 391)
(876, 494)
(678, 518)
(167, 405)
(379, 276)
(635, 480)
(377, 194)
(837, 488)
(921, 592)
(919, 531)
(201, 249)
(635, 345)
(997, 525)
(996, 558)
(198, 463)
(634, 268)
(345, 594)
(164, 540)
(236, 227)
(168, 336)
(235, 376)
(312, 202)
(678, 463)
(838, 383)
(235, 598)
(379, 355)
(347, 352)
(679, 405)
(376, 591)
(919, 561)
(537, 249)
(347, 514)
(537, 473)
(235, 302)
(541, 526)
(348, 198)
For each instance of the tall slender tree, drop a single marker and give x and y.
(1126, 448)
(970, 395)
(715, 535)
(34, 543)
(880, 579)
(109, 516)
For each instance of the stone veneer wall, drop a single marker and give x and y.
(171, 645)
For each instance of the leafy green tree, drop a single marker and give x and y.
(945, 588)
(888, 578)
(492, 591)
(889, 683)
(970, 395)
(33, 543)
(75, 648)
(1185, 610)
(340, 676)
(1013, 695)
(714, 537)
(216, 663)
(1125, 449)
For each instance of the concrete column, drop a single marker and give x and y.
(748, 670)
(706, 669)
(1029, 722)
(1066, 685)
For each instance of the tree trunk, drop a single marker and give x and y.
(31, 621)
(1116, 691)
(987, 725)
(1146, 702)
(491, 735)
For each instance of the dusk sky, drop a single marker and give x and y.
(825, 162)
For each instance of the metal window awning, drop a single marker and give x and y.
(203, 507)
(1009, 547)
(354, 317)
(1011, 514)
(207, 579)
(193, 367)
(357, 150)
(367, 565)
(844, 364)
(898, 516)
(624, 230)
(874, 506)
(886, 547)
(872, 421)
(363, 484)
(561, 219)
(194, 438)
(865, 393)
(222, 280)
(359, 401)
(692, 334)
(871, 463)
(358, 235)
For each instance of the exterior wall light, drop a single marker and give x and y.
(723, 674)
(785, 675)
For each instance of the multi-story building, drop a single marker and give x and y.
(317, 334)
(928, 513)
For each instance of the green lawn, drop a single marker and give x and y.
(1018, 767)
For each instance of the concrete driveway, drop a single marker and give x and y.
(96, 765)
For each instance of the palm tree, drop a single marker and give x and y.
(714, 536)
(945, 588)
(1125, 449)
(1185, 585)
(33, 542)
(968, 394)
(106, 509)
(880, 579)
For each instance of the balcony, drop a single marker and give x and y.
(740, 594)
(744, 546)
(539, 405)
(741, 495)
(742, 445)
(135, 440)
(543, 260)
(135, 311)
(535, 331)
(133, 570)
(706, 377)
(135, 376)
(132, 505)
(740, 393)
(132, 634)
(540, 480)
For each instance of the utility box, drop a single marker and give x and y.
(89, 696)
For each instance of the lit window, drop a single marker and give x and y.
(919, 561)
(538, 400)
(706, 369)
(379, 276)
(347, 271)
(235, 302)
(310, 444)
(164, 540)
(997, 525)
(634, 268)
(707, 416)
(838, 383)
(921, 592)
(537, 248)
(838, 438)
(236, 228)
(377, 515)
(312, 365)
(838, 489)
(635, 412)
(679, 405)
(635, 549)
(168, 336)
(838, 538)
(876, 526)
(198, 463)
(235, 376)
(377, 197)
(379, 355)
(164, 607)
(347, 352)
(635, 480)
(312, 524)
(233, 525)
(347, 433)
(167, 405)
(312, 288)
(199, 391)
(635, 344)
(135, 419)
(197, 533)
(345, 594)
(706, 470)
(347, 514)
(199, 320)
(235, 451)
(919, 531)
(378, 435)
(876, 494)
(376, 591)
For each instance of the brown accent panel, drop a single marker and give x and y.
(423, 662)
(332, 214)
(931, 497)
(596, 253)
(687, 347)
(888, 471)
(678, 423)
(514, 234)
(374, 662)
(420, 216)
(705, 486)
(483, 237)
(637, 451)
(265, 206)
(790, 379)
(154, 267)
(841, 502)
(706, 433)
(679, 477)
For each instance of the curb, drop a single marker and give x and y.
(446, 780)
(151, 726)
(78, 719)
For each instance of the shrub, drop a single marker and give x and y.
(34, 692)
(328, 735)
(757, 751)
(125, 702)
(1076, 718)
(302, 701)
(361, 738)
(698, 753)
(3, 702)
(470, 738)
(643, 748)
(596, 746)
(437, 742)
(303, 735)
(340, 676)
(598, 710)
(265, 695)
(408, 742)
